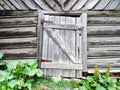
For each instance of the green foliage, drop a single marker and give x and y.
(100, 81)
(19, 75)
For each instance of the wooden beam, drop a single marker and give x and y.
(65, 27)
(39, 38)
(84, 41)
(58, 65)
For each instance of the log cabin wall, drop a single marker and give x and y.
(104, 39)
(18, 34)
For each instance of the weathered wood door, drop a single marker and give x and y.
(62, 45)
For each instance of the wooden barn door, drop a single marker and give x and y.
(62, 45)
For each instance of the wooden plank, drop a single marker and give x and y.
(112, 5)
(15, 4)
(1, 8)
(5, 6)
(103, 31)
(45, 41)
(118, 7)
(70, 4)
(104, 41)
(72, 40)
(65, 59)
(78, 47)
(104, 51)
(57, 53)
(42, 4)
(84, 41)
(79, 4)
(9, 4)
(19, 51)
(61, 45)
(113, 70)
(39, 38)
(52, 4)
(30, 4)
(101, 5)
(61, 27)
(29, 40)
(17, 32)
(103, 20)
(90, 4)
(23, 6)
(103, 65)
(25, 13)
(17, 21)
(104, 60)
(62, 65)
(17, 45)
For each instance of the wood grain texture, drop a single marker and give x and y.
(61, 5)
(18, 42)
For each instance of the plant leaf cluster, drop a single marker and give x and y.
(19, 75)
(100, 81)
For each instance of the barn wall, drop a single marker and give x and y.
(104, 39)
(18, 34)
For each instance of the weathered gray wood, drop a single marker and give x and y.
(112, 4)
(104, 41)
(84, 41)
(42, 4)
(78, 46)
(103, 20)
(22, 5)
(104, 51)
(113, 70)
(79, 4)
(18, 40)
(5, 6)
(30, 4)
(52, 4)
(18, 51)
(103, 31)
(61, 27)
(9, 4)
(25, 13)
(1, 8)
(39, 38)
(61, 65)
(62, 45)
(45, 41)
(103, 61)
(69, 5)
(15, 4)
(17, 32)
(65, 59)
(11, 21)
(90, 4)
(102, 4)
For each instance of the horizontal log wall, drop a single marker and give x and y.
(104, 40)
(18, 34)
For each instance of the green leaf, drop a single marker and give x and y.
(3, 87)
(83, 88)
(99, 87)
(111, 88)
(86, 83)
(12, 65)
(12, 83)
(39, 73)
(90, 79)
